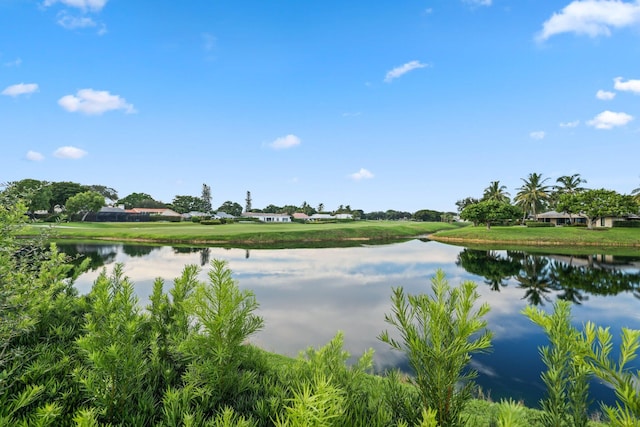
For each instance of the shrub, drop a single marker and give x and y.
(210, 222)
(439, 333)
(196, 219)
(627, 224)
(535, 224)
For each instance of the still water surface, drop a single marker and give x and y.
(307, 295)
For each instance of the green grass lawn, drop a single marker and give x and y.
(187, 232)
(546, 236)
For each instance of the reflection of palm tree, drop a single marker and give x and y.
(205, 254)
(496, 192)
(533, 194)
(533, 278)
(562, 277)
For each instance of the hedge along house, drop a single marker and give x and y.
(563, 218)
(268, 217)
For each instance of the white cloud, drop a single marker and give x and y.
(609, 119)
(361, 174)
(20, 89)
(605, 95)
(352, 114)
(283, 142)
(479, 2)
(14, 63)
(93, 5)
(539, 134)
(72, 22)
(70, 152)
(628, 86)
(34, 156)
(591, 17)
(403, 69)
(572, 124)
(94, 102)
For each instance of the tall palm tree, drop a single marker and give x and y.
(496, 192)
(570, 184)
(533, 194)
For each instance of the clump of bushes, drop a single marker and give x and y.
(538, 224)
(627, 224)
(211, 222)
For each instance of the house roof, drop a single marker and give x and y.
(157, 211)
(262, 214)
(110, 209)
(300, 215)
(554, 214)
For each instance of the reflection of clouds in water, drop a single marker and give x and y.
(307, 295)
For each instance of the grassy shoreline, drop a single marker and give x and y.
(239, 233)
(552, 237)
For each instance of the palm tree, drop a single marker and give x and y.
(496, 192)
(570, 184)
(533, 194)
(636, 194)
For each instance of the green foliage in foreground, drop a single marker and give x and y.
(100, 360)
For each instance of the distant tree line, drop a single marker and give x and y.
(53, 197)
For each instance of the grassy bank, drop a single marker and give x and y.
(551, 236)
(240, 233)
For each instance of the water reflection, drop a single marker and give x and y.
(307, 295)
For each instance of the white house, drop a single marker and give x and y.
(268, 217)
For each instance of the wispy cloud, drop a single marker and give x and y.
(351, 114)
(73, 22)
(69, 152)
(592, 18)
(15, 63)
(403, 69)
(20, 89)
(605, 95)
(609, 119)
(94, 102)
(361, 174)
(539, 134)
(479, 2)
(85, 5)
(34, 156)
(628, 86)
(284, 142)
(208, 41)
(572, 124)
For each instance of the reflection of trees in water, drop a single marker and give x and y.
(574, 277)
(205, 254)
(139, 250)
(99, 255)
(495, 268)
(534, 279)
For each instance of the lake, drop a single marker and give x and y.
(307, 295)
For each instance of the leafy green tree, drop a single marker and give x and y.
(271, 209)
(496, 192)
(104, 191)
(84, 204)
(307, 208)
(636, 194)
(438, 334)
(288, 209)
(62, 191)
(140, 200)
(567, 381)
(34, 193)
(184, 204)
(596, 204)
(488, 212)
(463, 203)
(533, 195)
(427, 215)
(232, 208)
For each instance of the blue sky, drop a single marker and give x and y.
(377, 105)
